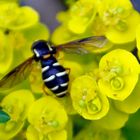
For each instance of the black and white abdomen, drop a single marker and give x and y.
(55, 76)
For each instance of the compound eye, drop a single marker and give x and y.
(39, 44)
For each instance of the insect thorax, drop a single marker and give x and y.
(41, 48)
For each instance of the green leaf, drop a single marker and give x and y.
(4, 117)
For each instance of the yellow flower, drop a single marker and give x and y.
(119, 74)
(16, 104)
(93, 132)
(47, 115)
(87, 100)
(124, 31)
(82, 14)
(33, 134)
(6, 53)
(114, 119)
(120, 19)
(16, 18)
(131, 104)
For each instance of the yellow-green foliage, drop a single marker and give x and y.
(93, 132)
(104, 85)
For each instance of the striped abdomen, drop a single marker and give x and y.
(55, 76)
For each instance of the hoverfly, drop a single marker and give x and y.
(54, 75)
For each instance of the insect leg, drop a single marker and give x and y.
(44, 89)
(59, 55)
(47, 91)
(68, 70)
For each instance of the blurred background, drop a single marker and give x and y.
(48, 10)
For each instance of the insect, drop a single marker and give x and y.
(54, 75)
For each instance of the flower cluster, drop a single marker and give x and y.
(116, 20)
(18, 28)
(106, 88)
(104, 84)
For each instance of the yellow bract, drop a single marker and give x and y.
(114, 119)
(112, 9)
(6, 54)
(34, 134)
(36, 32)
(119, 74)
(132, 103)
(82, 13)
(125, 30)
(16, 104)
(14, 17)
(138, 37)
(64, 35)
(93, 132)
(47, 115)
(87, 99)
(121, 20)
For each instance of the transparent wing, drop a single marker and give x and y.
(84, 46)
(17, 75)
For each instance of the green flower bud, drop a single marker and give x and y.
(121, 25)
(117, 83)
